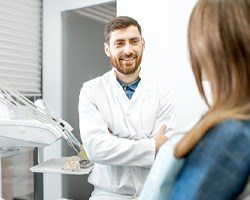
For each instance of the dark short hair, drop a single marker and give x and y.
(119, 23)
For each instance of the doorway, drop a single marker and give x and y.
(83, 59)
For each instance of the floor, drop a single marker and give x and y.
(17, 179)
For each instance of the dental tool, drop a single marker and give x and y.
(18, 103)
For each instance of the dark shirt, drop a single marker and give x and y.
(129, 89)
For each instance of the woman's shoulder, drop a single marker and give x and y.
(236, 124)
(220, 158)
(231, 128)
(230, 138)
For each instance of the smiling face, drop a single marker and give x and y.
(125, 49)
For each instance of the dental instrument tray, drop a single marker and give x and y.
(56, 166)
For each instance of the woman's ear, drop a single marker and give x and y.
(106, 49)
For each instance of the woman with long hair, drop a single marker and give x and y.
(215, 153)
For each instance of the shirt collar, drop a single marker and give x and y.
(132, 86)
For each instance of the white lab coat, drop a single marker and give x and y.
(117, 133)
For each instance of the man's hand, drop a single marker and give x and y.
(160, 138)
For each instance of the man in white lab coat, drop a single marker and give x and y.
(124, 116)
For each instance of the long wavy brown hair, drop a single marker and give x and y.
(219, 49)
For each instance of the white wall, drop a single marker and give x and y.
(52, 76)
(164, 27)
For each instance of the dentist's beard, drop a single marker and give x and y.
(126, 69)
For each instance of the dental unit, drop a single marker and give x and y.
(36, 127)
